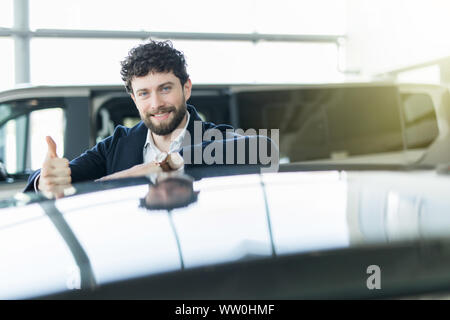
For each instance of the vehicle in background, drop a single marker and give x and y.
(366, 123)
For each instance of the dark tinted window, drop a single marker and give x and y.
(213, 105)
(114, 112)
(420, 120)
(13, 144)
(23, 127)
(326, 122)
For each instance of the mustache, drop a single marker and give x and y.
(161, 109)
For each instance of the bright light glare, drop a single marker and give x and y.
(208, 61)
(425, 75)
(232, 16)
(6, 13)
(6, 63)
(381, 36)
(87, 61)
(47, 122)
(75, 61)
(385, 35)
(11, 152)
(301, 17)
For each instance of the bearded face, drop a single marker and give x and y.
(161, 101)
(165, 120)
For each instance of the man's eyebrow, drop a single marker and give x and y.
(159, 87)
(139, 90)
(165, 84)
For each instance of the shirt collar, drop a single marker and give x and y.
(178, 140)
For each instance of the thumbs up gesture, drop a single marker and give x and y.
(55, 173)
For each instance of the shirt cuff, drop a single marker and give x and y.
(35, 183)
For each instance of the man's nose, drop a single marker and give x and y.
(155, 102)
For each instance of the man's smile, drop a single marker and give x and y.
(161, 116)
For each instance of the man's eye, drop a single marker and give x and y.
(166, 89)
(142, 94)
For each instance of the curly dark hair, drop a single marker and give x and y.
(154, 56)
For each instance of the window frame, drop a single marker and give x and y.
(25, 167)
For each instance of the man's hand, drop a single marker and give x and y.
(136, 171)
(55, 173)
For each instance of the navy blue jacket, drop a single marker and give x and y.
(124, 149)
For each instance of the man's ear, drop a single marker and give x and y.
(187, 89)
(132, 97)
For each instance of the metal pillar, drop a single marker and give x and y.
(21, 38)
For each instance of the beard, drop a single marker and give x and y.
(162, 129)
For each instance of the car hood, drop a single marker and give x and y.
(106, 236)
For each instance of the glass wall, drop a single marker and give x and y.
(87, 61)
(77, 61)
(232, 16)
(96, 61)
(91, 61)
(6, 63)
(6, 13)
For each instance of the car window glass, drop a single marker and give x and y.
(5, 112)
(364, 121)
(420, 120)
(12, 144)
(211, 105)
(115, 111)
(45, 122)
(326, 123)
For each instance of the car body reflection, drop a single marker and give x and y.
(280, 229)
(171, 191)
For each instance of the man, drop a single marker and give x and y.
(155, 77)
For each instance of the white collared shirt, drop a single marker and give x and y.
(151, 151)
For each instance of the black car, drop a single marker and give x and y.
(358, 208)
(301, 233)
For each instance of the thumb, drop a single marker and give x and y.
(51, 152)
